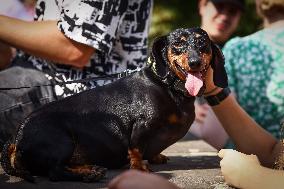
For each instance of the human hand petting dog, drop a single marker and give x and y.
(237, 168)
(134, 179)
(211, 88)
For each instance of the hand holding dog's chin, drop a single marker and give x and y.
(210, 86)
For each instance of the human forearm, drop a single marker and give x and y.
(43, 39)
(248, 136)
(263, 178)
(5, 55)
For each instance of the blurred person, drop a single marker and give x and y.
(255, 65)
(14, 9)
(220, 19)
(69, 40)
(254, 62)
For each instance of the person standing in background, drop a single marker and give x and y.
(255, 65)
(220, 19)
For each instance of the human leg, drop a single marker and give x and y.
(16, 104)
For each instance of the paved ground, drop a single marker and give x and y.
(193, 164)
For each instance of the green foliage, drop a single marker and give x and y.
(171, 14)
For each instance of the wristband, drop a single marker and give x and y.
(219, 97)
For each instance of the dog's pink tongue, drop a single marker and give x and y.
(193, 83)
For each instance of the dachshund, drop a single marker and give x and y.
(125, 122)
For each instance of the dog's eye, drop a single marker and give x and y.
(177, 50)
(178, 47)
(204, 48)
(181, 42)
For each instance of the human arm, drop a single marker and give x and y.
(134, 179)
(43, 39)
(245, 171)
(6, 54)
(247, 135)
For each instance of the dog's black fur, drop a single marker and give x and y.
(144, 112)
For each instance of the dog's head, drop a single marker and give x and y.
(188, 54)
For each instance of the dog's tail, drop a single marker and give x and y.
(8, 163)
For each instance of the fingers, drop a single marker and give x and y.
(222, 152)
(209, 80)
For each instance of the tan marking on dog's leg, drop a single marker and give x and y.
(136, 161)
(81, 169)
(12, 154)
(89, 173)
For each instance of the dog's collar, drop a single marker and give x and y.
(171, 80)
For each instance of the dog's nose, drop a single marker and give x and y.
(194, 60)
(194, 63)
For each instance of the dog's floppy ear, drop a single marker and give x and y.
(218, 65)
(158, 55)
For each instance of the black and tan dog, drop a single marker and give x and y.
(130, 120)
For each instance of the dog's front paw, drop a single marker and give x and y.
(136, 161)
(142, 166)
(159, 159)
